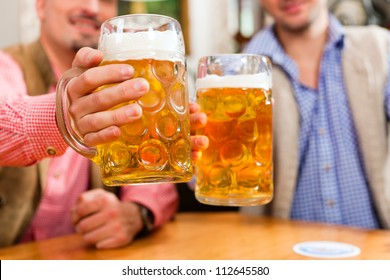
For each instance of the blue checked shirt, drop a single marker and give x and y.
(332, 186)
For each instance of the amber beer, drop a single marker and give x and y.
(236, 169)
(155, 148)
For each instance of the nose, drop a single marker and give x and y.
(91, 6)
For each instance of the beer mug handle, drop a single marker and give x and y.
(64, 121)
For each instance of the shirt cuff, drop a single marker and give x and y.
(41, 127)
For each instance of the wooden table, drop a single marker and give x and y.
(218, 236)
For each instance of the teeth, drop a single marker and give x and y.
(84, 24)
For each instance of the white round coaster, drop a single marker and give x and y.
(326, 249)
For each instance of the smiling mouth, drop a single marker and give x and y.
(87, 23)
(292, 8)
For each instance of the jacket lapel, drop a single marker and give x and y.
(366, 99)
(286, 121)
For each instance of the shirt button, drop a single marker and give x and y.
(321, 131)
(51, 151)
(330, 203)
(327, 167)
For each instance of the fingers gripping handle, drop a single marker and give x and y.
(63, 117)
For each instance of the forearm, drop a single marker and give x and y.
(27, 123)
(28, 130)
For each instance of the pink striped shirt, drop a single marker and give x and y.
(28, 133)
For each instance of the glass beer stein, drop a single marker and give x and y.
(155, 148)
(234, 91)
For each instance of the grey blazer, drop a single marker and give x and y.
(365, 68)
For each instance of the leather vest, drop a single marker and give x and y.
(21, 187)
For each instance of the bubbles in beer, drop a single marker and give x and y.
(247, 130)
(141, 45)
(219, 177)
(118, 156)
(263, 152)
(165, 71)
(261, 102)
(181, 154)
(153, 154)
(156, 147)
(154, 99)
(209, 155)
(158, 144)
(178, 97)
(136, 130)
(208, 102)
(250, 81)
(219, 129)
(167, 125)
(249, 176)
(234, 104)
(232, 153)
(238, 162)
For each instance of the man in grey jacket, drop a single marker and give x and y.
(331, 111)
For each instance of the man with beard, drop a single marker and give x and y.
(331, 112)
(63, 193)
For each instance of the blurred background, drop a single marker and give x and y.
(209, 26)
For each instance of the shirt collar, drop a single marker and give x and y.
(335, 34)
(266, 42)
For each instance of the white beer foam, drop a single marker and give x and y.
(259, 80)
(162, 45)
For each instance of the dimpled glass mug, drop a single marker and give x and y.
(155, 148)
(234, 90)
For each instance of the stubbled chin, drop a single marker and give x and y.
(85, 40)
(77, 45)
(86, 29)
(88, 32)
(295, 27)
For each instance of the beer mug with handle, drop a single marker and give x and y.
(155, 148)
(234, 91)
